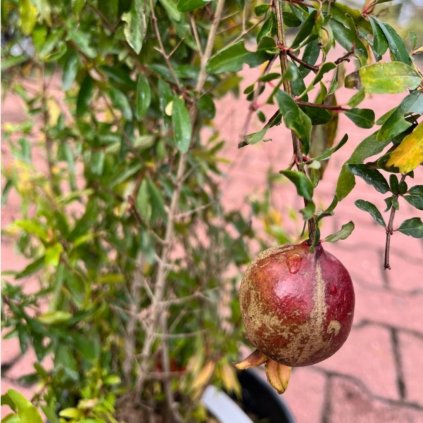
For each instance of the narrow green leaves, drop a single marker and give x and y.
(295, 119)
(343, 233)
(301, 182)
(142, 97)
(370, 208)
(305, 30)
(363, 118)
(396, 45)
(391, 78)
(136, 22)
(380, 44)
(181, 124)
(412, 227)
(121, 102)
(84, 96)
(233, 58)
(415, 196)
(230, 59)
(372, 176)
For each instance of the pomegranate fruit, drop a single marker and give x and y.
(297, 307)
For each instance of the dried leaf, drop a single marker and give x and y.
(278, 375)
(203, 377)
(255, 359)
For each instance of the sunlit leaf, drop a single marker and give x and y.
(392, 77)
(409, 154)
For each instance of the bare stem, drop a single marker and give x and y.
(288, 89)
(48, 140)
(390, 230)
(158, 315)
(162, 49)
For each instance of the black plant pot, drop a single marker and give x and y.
(259, 402)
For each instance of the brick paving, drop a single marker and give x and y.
(377, 375)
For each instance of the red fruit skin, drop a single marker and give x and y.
(297, 306)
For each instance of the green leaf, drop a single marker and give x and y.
(328, 152)
(372, 176)
(327, 67)
(391, 78)
(84, 96)
(32, 227)
(156, 201)
(24, 409)
(363, 118)
(347, 38)
(229, 59)
(255, 137)
(295, 119)
(310, 56)
(82, 40)
(269, 77)
(142, 97)
(189, 5)
(343, 233)
(396, 45)
(412, 227)
(357, 98)
(31, 268)
(370, 208)
(301, 182)
(143, 201)
(305, 30)
(171, 9)
(121, 102)
(136, 23)
(54, 317)
(380, 43)
(395, 122)
(181, 124)
(415, 200)
(70, 70)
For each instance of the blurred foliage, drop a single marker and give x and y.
(124, 229)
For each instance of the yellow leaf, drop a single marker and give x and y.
(53, 111)
(28, 16)
(229, 379)
(278, 375)
(203, 377)
(409, 154)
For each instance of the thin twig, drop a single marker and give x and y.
(195, 33)
(390, 229)
(158, 315)
(287, 87)
(162, 49)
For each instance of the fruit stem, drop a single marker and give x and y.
(311, 223)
